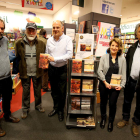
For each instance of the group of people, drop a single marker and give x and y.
(27, 50)
(115, 63)
(60, 49)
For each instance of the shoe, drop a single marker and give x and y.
(60, 116)
(12, 119)
(135, 130)
(24, 114)
(122, 123)
(102, 123)
(110, 127)
(2, 132)
(52, 113)
(40, 109)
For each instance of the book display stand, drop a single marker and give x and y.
(81, 94)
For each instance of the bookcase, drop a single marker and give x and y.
(81, 112)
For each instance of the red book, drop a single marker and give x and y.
(43, 61)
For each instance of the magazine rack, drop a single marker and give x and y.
(72, 115)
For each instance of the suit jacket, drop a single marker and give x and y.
(129, 60)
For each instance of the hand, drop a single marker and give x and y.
(118, 88)
(107, 85)
(50, 58)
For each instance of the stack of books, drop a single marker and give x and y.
(76, 66)
(75, 86)
(88, 121)
(85, 103)
(75, 103)
(87, 86)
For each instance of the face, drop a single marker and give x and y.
(57, 29)
(138, 33)
(31, 33)
(114, 48)
(1, 29)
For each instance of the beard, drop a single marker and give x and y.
(31, 37)
(1, 35)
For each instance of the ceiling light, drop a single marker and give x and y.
(76, 13)
(120, 15)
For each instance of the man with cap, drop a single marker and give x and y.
(28, 51)
(5, 79)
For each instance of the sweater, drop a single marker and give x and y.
(4, 59)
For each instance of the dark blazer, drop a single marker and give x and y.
(20, 54)
(129, 58)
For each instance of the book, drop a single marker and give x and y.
(75, 103)
(85, 107)
(87, 86)
(43, 61)
(77, 66)
(88, 121)
(75, 86)
(115, 80)
(89, 66)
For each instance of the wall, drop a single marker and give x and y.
(19, 21)
(64, 14)
(96, 6)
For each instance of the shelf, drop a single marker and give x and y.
(79, 111)
(83, 94)
(72, 122)
(16, 87)
(83, 75)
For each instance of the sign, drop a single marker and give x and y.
(107, 7)
(79, 3)
(106, 33)
(129, 28)
(39, 4)
(85, 46)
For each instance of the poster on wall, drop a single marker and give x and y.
(39, 4)
(85, 46)
(81, 27)
(106, 34)
(107, 7)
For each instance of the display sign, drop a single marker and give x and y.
(106, 33)
(39, 4)
(129, 28)
(78, 3)
(85, 46)
(107, 7)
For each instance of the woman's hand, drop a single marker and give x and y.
(118, 88)
(107, 85)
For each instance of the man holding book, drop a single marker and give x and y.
(28, 51)
(132, 85)
(60, 49)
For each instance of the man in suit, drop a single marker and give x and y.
(132, 85)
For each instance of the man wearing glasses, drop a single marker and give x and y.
(28, 51)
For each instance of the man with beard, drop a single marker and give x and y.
(5, 79)
(28, 51)
(60, 49)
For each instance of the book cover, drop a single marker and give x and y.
(75, 86)
(87, 86)
(115, 80)
(89, 66)
(75, 103)
(81, 122)
(77, 66)
(90, 121)
(43, 61)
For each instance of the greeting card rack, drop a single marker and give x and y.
(72, 115)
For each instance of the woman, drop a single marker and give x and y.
(111, 63)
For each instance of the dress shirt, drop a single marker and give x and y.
(61, 50)
(135, 70)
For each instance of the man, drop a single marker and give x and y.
(60, 48)
(132, 85)
(5, 79)
(42, 36)
(28, 51)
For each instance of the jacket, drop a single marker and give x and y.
(20, 54)
(104, 66)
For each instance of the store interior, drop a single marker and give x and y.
(39, 126)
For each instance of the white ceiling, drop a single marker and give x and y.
(130, 8)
